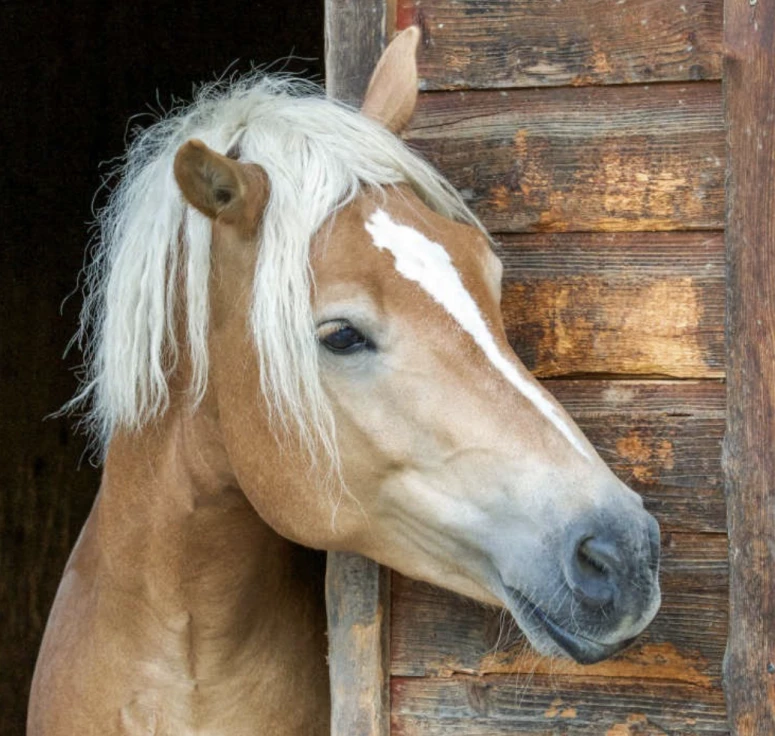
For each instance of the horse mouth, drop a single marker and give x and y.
(580, 648)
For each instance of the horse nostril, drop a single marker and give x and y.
(592, 571)
(600, 554)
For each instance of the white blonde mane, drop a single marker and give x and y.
(317, 154)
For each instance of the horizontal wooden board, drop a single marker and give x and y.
(587, 399)
(581, 159)
(663, 438)
(436, 633)
(520, 43)
(540, 704)
(616, 303)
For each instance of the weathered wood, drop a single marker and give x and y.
(624, 303)
(750, 460)
(581, 159)
(588, 399)
(592, 159)
(487, 43)
(355, 35)
(436, 633)
(358, 605)
(663, 438)
(357, 589)
(540, 704)
(673, 463)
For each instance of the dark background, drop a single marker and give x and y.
(73, 73)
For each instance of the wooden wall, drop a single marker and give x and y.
(589, 137)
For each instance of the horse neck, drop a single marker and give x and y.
(175, 532)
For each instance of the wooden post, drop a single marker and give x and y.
(357, 589)
(358, 603)
(356, 35)
(749, 671)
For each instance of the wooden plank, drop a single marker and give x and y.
(436, 633)
(663, 438)
(355, 36)
(539, 704)
(749, 38)
(492, 44)
(357, 589)
(590, 399)
(581, 159)
(623, 303)
(674, 463)
(358, 605)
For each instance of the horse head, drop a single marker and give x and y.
(416, 436)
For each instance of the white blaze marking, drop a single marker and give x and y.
(428, 264)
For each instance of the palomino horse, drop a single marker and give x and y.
(306, 347)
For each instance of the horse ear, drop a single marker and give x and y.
(212, 183)
(392, 92)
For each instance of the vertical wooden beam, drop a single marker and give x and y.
(357, 589)
(356, 35)
(749, 672)
(358, 603)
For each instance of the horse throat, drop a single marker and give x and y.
(199, 617)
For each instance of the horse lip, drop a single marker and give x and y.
(580, 648)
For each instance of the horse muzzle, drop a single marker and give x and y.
(605, 588)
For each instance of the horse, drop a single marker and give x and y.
(293, 342)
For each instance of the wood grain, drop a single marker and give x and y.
(539, 704)
(750, 461)
(355, 38)
(624, 303)
(358, 605)
(357, 589)
(662, 438)
(478, 44)
(581, 159)
(589, 399)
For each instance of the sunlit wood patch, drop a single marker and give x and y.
(581, 159)
(638, 304)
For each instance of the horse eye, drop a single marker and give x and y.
(345, 339)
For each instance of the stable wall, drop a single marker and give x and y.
(589, 138)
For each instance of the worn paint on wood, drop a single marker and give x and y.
(540, 704)
(486, 43)
(581, 159)
(626, 303)
(750, 461)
